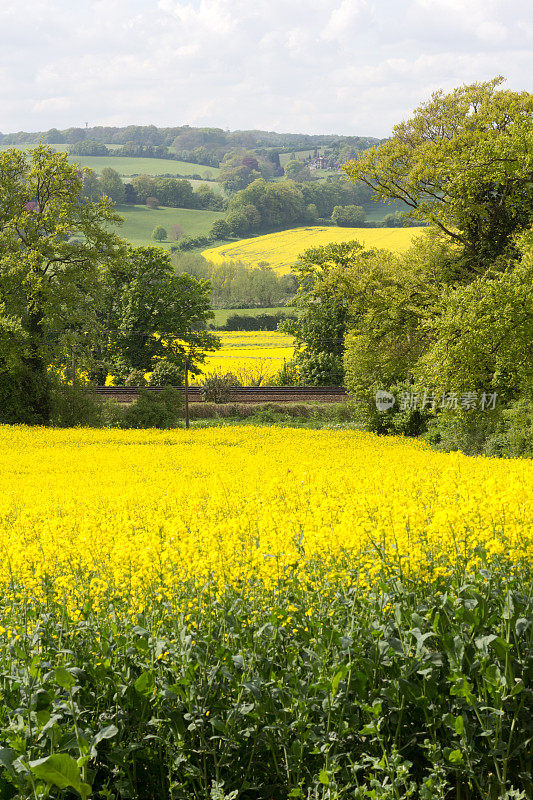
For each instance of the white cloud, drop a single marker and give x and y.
(345, 66)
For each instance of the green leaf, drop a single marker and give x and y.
(145, 683)
(323, 777)
(62, 771)
(105, 733)
(459, 725)
(64, 678)
(342, 673)
(455, 757)
(7, 757)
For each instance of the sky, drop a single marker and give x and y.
(352, 67)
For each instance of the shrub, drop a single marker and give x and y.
(217, 387)
(75, 406)
(166, 373)
(154, 410)
(135, 378)
(514, 435)
(321, 369)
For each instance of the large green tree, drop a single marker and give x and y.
(464, 162)
(53, 243)
(150, 313)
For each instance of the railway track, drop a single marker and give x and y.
(241, 394)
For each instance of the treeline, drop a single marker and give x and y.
(233, 285)
(206, 146)
(153, 191)
(265, 204)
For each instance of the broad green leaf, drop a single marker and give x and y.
(459, 725)
(64, 678)
(455, 757)
(323, 777)
(62, 771)
(105, 733)
(145, 683)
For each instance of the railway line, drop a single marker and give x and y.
(241, 394)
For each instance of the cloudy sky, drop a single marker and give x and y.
(312, 66)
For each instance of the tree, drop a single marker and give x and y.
(220, 229)
(53, 244)
(112, 186)
(297, 171)
(348, 216)
(152, 313)
(464, 162)
(323, 309)
(159, 233)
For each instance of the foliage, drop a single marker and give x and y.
(174, 622)
(463, 162)
(348, 216)
(74, 406)
(217, 386)
(151, 313)
(53, 243)
(166, 373)
(236, 285)
(220, 229)
(320, 369)
(159, 233)
(161, 409)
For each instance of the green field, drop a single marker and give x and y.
(144, 166)
(140, 221)
(132, 166)
(300, 155)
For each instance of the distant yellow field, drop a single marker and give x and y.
(281, 250)
(250, 355)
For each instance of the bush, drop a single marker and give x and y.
(288, 375)
(321, 369)
(395, 420)
(24, 396)
(503, 432)
(166, 373)
(75, 406)
(514, 435)
(217, 387)
(154, 410)
(135, 378)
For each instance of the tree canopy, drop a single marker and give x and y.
(464, 162)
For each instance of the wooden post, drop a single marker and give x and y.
(186, 394)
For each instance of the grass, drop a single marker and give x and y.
(140, 221)
(281, 250)
(144, 166)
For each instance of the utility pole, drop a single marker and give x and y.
(186, 394)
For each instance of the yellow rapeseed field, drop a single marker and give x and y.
(281, 250)
(249, 355)
(132, 514)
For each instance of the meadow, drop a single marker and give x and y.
(140, 221)
(262, 613)
(250, 355)
(144, 166)
(281, 250)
